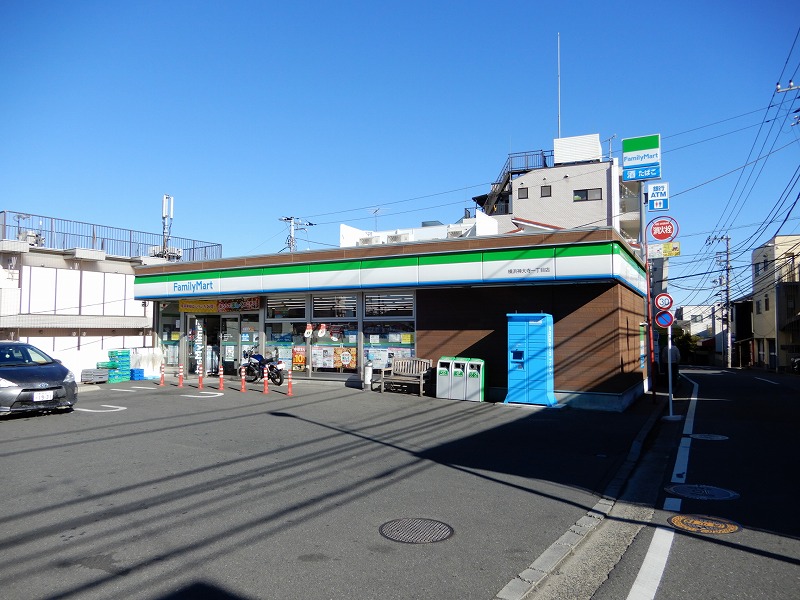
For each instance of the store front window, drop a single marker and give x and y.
(170, 332)
(388, 327)
(386, 340)
(334, 347)
(337, 307)
(285, 328)
(286, 307)
(389, 305)
(285, 340)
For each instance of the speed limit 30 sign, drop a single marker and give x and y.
(663, 301)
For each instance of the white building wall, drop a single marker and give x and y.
(76, 310)
(561, 209)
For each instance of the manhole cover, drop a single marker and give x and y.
(416, 531)
(701, 492)
(703, 524)
(709, 436)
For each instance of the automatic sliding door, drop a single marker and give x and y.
(229, 352)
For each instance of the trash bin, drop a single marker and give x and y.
(443, 376)
(458, 377)
(474, 380)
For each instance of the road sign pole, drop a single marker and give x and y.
(669, 367)
(647, 300)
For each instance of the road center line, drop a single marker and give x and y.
(767, 380)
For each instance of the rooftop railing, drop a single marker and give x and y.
(62, 234)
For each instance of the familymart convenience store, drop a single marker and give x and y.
(330, 312)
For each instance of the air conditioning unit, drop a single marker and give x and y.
(33, 238)
(397, 238)
(172, 253)
(369, 241)
(455, 233)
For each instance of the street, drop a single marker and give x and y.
(710, 512)
(165, 492)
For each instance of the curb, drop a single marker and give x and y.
(532, 577)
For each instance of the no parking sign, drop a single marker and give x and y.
(664, 319)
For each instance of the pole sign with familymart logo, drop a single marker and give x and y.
(641, 158)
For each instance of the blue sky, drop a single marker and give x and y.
(246, 112)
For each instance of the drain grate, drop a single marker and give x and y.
(703, 524)
(701, 492)
(416, 531)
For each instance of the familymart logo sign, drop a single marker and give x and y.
(641, 158)
(193, 287)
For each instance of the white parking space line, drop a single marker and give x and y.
(125, 391)
(142, 387)
(649, 577)
(204, 395)
(767, 380)
(113, 408)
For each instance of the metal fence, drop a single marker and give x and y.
(63, 234)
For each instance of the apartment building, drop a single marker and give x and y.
(776, 302)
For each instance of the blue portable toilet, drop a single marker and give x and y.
(530, 359)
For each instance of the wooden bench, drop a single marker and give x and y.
(407, 371)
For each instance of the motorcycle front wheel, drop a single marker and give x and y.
(276, 376)
(250, 374)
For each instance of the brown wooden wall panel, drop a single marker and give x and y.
(595, 324)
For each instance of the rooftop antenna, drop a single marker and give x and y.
(559, 85)
(375, 214)
(167, 213)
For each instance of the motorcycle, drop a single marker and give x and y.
(257, 365)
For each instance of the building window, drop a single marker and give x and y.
(765, 264)
(289, 307)
(583, 195)
(697, 318)
(334, 306)
(758, 269)
(766, 303)
(389, 305)
(522, 193)
(546, 191)
(758, 307)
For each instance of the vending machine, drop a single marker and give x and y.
(530, 359)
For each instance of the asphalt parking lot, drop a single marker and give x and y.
(165, 492)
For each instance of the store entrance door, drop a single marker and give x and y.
(201, 343)
(229, 352)
(237, 333)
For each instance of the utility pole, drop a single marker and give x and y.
(295, 224)
(728, 336)
(792, 87)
